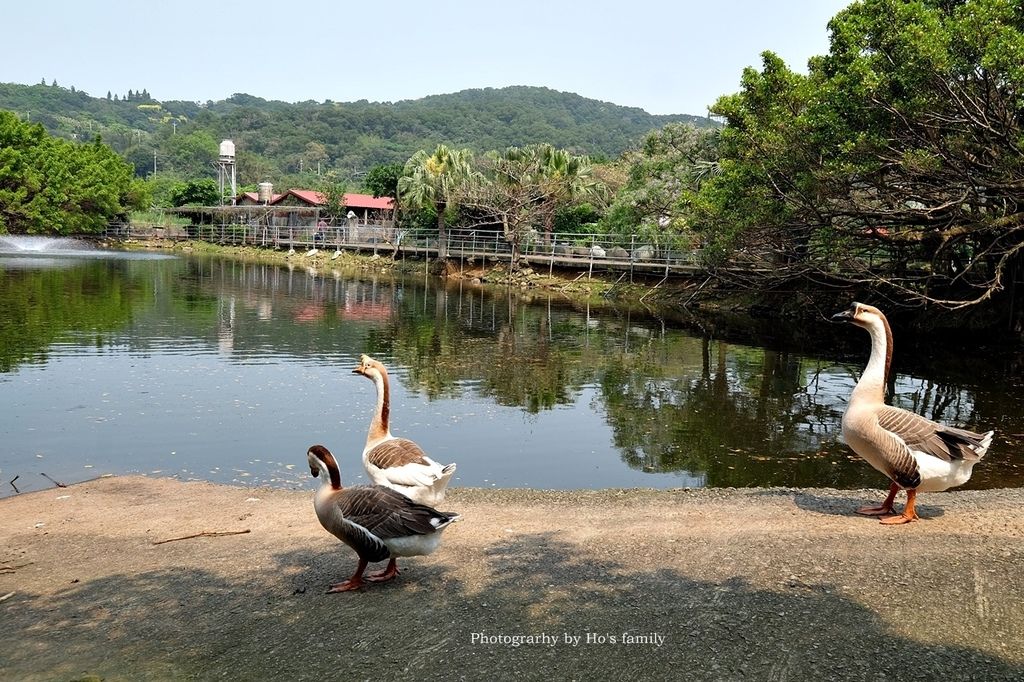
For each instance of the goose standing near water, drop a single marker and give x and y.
(377, 522)
(398, 463)
(917, 454)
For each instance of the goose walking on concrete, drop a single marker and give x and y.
(916, 453)
(376, 522)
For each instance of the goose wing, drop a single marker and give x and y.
(920, 433)
(897, 455)
(403, 462)
(385, 513)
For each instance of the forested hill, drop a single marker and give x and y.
(347, 136)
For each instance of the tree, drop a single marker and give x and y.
(670, 164)
(203, 192)
(193, 154)
(901, 148)
(433, 180)
(161, 186)
(561, 178)
(382, 180)
(522, 188)
(51, 185)
(333, 190)
(253, 168)
(507, 193)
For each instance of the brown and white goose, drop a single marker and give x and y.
(916, 453)
(377, 522)
(398, 463)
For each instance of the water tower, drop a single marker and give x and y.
(226, 169)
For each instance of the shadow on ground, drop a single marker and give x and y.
(279, 624)
(847, 506)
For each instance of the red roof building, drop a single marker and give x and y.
(310, 197)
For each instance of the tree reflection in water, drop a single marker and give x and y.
(679, 395)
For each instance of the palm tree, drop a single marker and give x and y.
(432, 180)
(563, 178)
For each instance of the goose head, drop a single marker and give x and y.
(370, 368)
(320, 461)
(873, 320)
(862, 315)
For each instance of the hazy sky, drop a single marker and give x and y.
(664, 57)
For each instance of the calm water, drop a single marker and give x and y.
(218, 370)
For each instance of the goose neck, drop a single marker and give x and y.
(872, 381)
(380, 425)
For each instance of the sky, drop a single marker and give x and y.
(666, 57)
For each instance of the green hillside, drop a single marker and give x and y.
(278, 138)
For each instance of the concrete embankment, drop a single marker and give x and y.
(136, 578)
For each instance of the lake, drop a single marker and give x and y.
(214, 369)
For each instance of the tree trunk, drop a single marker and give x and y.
(442, 234)
(512, 237)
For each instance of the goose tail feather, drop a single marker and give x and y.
(969, 444)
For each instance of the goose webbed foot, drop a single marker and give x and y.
(387, 574)
(353, 583)
(883, 509)
(898, 519)
(347, 586)
(875, 511)
(909, 513)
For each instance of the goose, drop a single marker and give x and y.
(916, 453)
(377, 522)
(398, 463)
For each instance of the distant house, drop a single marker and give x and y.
(363, 207)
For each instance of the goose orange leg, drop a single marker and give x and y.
(908, 515)
(885, 508)
(353, 583)
(387, 574)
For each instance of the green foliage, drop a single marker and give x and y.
(520, 189)
(348, 138)
(906, 137)
(382, 180)
(50, 185)
(160, 187)
(195, 193)
(333, 190)
(434, 180)
(578, 218)
(192, 154)
(139, 197)
(664, 173)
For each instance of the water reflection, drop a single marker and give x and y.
(223, 370)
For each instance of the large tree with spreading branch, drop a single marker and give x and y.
(896, 163)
